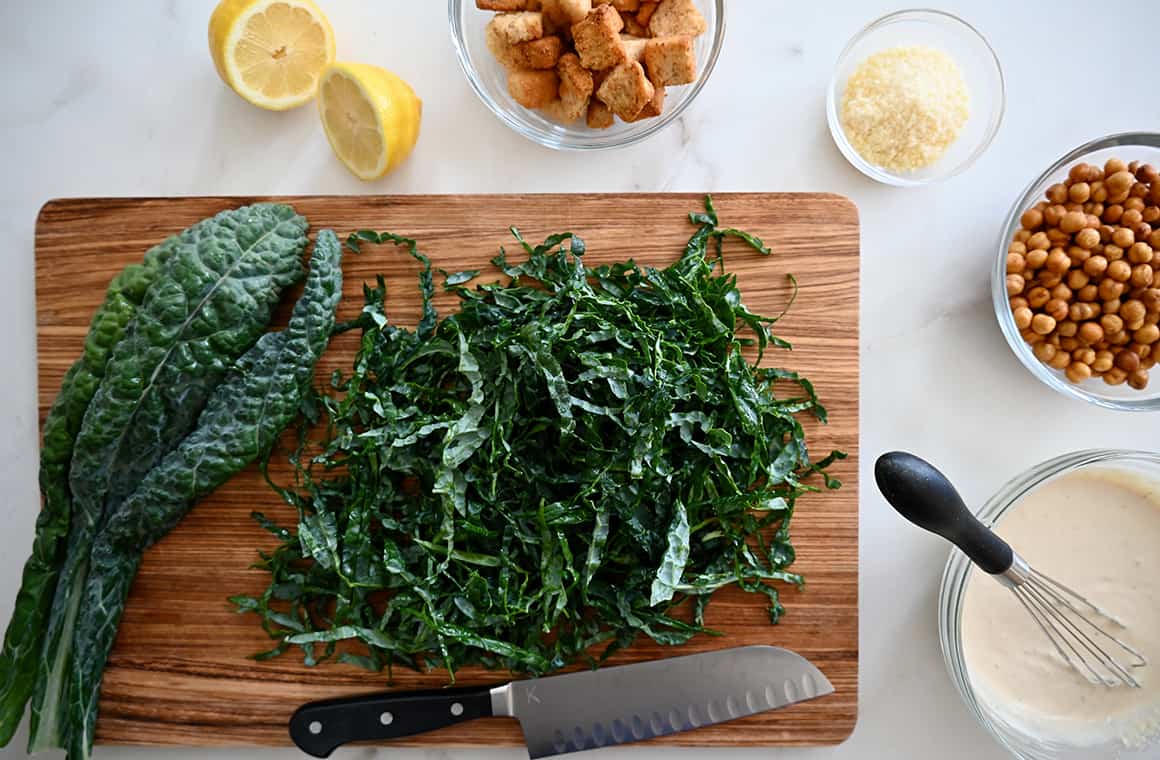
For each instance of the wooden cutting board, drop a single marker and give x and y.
(179, 674)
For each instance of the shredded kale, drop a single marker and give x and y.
(577, 457)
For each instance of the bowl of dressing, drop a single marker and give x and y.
(1091, 520)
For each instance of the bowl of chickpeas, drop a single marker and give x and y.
(1077, 283)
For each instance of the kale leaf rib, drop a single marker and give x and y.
(240, 423)
(219, 283)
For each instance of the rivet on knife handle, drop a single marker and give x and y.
(319, 728)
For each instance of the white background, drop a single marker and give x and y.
(120, 98)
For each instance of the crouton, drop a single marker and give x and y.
(500, 48)
(600, 116)
(633, 28)
(520, 27)
(626, 90)
(561, 112)
(597, 38)
(634, 47)
(670, 60)
(576, 87)
(533, 89)
(644, 15)
(564, 13)
(538, 54)
(502, 5)
(598, 77)
(677, 17)
(654, 107)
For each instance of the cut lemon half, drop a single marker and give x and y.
(370, 116)
(271, 52)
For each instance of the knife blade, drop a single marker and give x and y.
(579, 711)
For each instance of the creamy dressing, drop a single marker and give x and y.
(1099, 533)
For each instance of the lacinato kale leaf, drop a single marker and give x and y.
(211, 299)
(240, 423)
(573, 459)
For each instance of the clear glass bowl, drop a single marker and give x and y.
(1129, 146)
(489, 80)
(959, 571)
(977, 61)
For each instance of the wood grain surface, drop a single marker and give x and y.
(179, 674)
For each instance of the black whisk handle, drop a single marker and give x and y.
(923, 495)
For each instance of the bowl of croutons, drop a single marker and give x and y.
(587, 74)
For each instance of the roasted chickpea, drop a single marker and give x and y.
(1111, 323)
(1093, 208)
(1138, 379)
(1048, 279)
(1038, 241)
(1077, 372)
(1078, 172)
(1036, 259)
(1112, 213)
(1131, 218)
(1140, 253)
(1058, 238)
(1109, 290)
(1119, 182)
(1060, 360)
(1127, 361)
(1022, 236)
(1120, 339)
(1068, 344)
(1115, 376)
(1114, 165)
(1056, 309)
(1142, 276)
(1032, 219)
(1019, 302)
(1099, 192)
(1087, 238)
(1151, 299)
(1079, 192)
(1052, 215)
(1139, 190)
(1147, 335)
(1042, 324)
(1095, 266)
(1113, 252)
(1084, 354)
(1078, 255)
(1090, 333)
(1134, 204)
(1089, 292)
(1154, 238)
(1123, 237)
(1104, 361)
(1058, 262)
(1023, 318)
(1133, 311)
(1044, 351)
(1061, 292)
(1057, 193)
(1119, 271)
(1154, 194)
(1143, 231)
(1016, 264)
(1151, 214)
(1076, 279)
(1066, 329)
(1073, 221)
(1111, 307)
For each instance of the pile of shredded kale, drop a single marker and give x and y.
(546, 474)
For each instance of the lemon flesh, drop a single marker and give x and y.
(370, 116)
(271, 52)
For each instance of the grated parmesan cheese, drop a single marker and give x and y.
(903, 108)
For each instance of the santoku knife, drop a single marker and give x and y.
(579, 711)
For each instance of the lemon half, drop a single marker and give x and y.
(370, 116)
(271, 52)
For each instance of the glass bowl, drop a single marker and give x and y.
(959, 571)
(1129, 146)
(975, 58)
(489, 80)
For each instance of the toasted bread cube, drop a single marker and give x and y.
(502, 5)
(533, 89)
(558, 111)
(497, 43)
(633, 28)
(576, 87)
(655, 106)
(634, 47)
(670, 60)
(600, 116)
(626, 90)
(598, 77)
(538, 54)
(521, 26)
(644, 15)
(597, 38)
(677, 17)
(564, 13)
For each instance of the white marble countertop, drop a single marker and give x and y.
(120, 98)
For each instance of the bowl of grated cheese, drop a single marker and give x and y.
(916, 97)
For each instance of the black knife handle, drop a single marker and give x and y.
(319, 728)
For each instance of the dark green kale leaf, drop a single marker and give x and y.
(575, 458)
(212, 299)
(240, 423)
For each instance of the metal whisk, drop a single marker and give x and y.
(923, 495)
